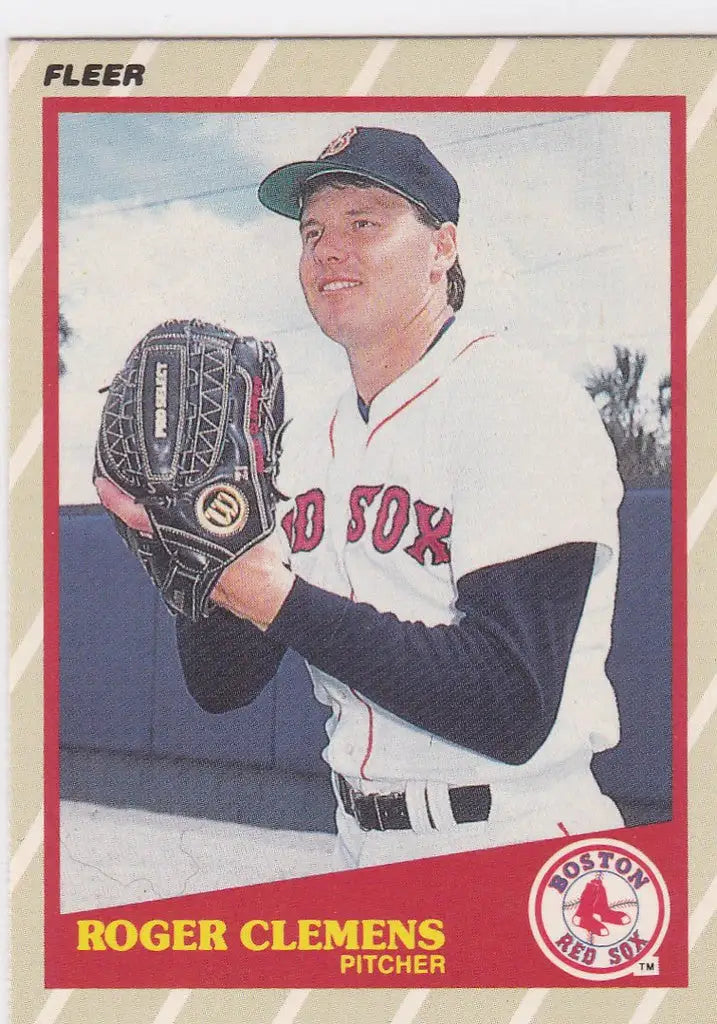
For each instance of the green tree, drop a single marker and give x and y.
(664, 398)
(65, 336)
(639, 427)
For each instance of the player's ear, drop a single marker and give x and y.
(446, 247)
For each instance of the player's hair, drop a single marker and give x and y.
(455, 281)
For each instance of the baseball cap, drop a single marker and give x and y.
(393, 159)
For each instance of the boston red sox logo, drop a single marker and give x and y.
(384, 512)
(598, 909)
(338, 144)
(596, 913)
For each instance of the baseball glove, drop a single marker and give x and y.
(191, 429)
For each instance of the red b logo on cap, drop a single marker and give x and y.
(339, 143)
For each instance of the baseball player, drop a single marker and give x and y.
(452, 536)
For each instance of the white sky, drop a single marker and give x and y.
(564, 240)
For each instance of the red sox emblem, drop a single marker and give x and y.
(599, 909)
(338, 144)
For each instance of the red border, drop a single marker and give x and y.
(51, 507)
(678, 268)
(358, 104)
(666, 844)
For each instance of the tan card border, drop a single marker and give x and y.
(541, 66)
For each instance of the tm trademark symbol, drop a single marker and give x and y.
(648, 966)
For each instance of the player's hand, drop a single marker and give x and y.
(252, 587)
(256, 585)
(123, 506)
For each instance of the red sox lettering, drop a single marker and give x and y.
(304, 524)
(385, 511)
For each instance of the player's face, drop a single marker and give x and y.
(368, 266)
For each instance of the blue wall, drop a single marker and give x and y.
(638, 772)
(122, 689)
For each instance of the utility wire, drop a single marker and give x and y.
(253, 186)
(127, 208)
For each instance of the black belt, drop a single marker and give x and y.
(384, 811)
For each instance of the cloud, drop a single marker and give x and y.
(120, 275)
(564, 241)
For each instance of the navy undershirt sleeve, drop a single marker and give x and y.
(226, 661)
(492, 682)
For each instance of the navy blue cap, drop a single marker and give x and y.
(396, 160)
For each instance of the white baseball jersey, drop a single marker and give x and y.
(479, 454)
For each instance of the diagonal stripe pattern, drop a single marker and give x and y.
(173, 1006)
(366, 78)
(290, 1008)
(612, 62)
(26, 851)
(258, 59)
(491, 67)
(411, 1005)
(700, 918)
(19, 62)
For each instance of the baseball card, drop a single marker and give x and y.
(361, 467)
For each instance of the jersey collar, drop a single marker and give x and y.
(364, 408)
(422, 375)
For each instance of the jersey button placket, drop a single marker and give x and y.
(338, 490)
(355, 553)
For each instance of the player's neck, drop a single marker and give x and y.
(378, 361)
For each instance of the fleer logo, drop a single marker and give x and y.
(338, 144)
(599, 909)
(160, 400)
(222, 509)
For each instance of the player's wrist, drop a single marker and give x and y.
(254, 591)
(271, 594)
